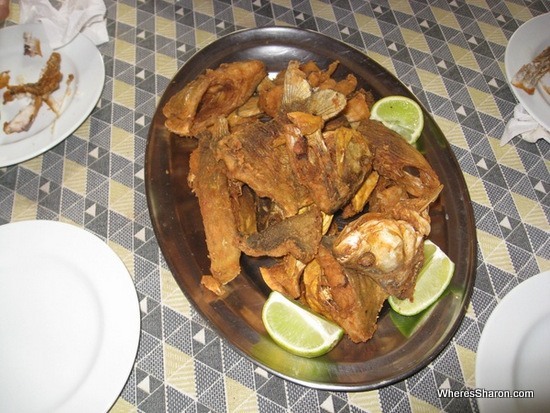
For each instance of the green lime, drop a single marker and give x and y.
(407, 325)
(433, 279)
(297, 329)
(400, 114)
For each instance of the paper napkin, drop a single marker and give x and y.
(64, 24)
(523, 124)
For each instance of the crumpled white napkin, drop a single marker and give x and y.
(73, 17)
(523, 124)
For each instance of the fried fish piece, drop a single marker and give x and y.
(270, 96)
(284, 276)
(315, 75)
(398, 161)
(256, 155)
(362, 196)
(386, 194)
(352, 301)
(357, 108)
(209, 182)
(332, 165)
(215, 93)
(298, 235)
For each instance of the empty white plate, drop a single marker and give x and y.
(513, 350)
(69, 319)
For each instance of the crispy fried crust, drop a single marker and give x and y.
(257, 155)
(211, 186)
(350, 299)
(213, 94)
(298, 235)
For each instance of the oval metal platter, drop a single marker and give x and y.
(401, 346)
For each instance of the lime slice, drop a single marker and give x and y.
(298, 330)
(433, 279)
(400, 114)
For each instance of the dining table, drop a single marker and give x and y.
(450, 54)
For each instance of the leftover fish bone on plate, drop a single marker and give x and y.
(529, 75)
(32, 94)
(339, 201)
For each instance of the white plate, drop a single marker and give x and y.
(69, 320)
(80, 58)
(513, 349)
(526, 43)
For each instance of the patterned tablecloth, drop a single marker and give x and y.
(449, 52)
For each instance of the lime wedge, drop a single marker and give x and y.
(400, 114)
(407, 325)
(297, 329)
(433, 279)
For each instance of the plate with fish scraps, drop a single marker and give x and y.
(83, 77)
(527, 42)
(401, 346)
